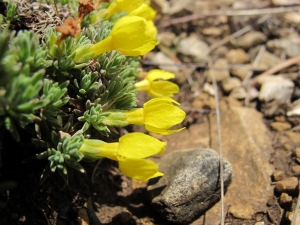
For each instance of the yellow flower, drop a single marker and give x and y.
(155, 84)
(157, 115)
(152, 30)
(122, 5)
(131, 35)
(144, 11)
(130, 152)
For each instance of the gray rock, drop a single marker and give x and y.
(275, 88)
(165, 63)
(166, 38)
(199, 51)
(220, 72)
(239, 72)
(268, 61)
(229, 83)
(190, 185)
(238, 56)
(291, 48)
(241, 211)
(249, 40)
(238, 93)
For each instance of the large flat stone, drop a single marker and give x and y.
(246, 145)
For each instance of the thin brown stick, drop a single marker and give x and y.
(246, 12)
(277, 68)
(218, 115)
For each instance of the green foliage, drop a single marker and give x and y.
(44, 91)
(65, 154)
(93, 116)
(11, 14)
(63, 54)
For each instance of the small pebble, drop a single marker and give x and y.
(241, 211)
(229, 83)
(278, 175)
(296, 170)
(289, 184)
(290, 216)
(279, 126)
(260, 223)
(238, 56)
(285, 199)
(279, 118)
(249, 40)
(297, 152)
(238, 93)
(295, 137)
(283, 139)
(239, 72)
(288, 146)
(221, 72)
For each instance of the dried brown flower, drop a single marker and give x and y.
(85, 8)
(69, 28)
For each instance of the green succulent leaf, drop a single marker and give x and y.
(66, 153)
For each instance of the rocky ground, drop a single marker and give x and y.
(252, 48)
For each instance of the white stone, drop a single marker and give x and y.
(194, 47)
(295, 110)
(275, 88)
(165, 63)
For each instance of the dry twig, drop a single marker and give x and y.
(277, 68)
(218, 115)
(246, 12)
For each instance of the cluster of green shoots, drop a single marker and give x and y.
(78, 84)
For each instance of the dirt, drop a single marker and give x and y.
(103, 195)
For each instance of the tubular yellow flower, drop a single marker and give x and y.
(144, 11)
(155, 84)
(151, 29)
(122, 5)
(158, 116)
(131, 35)
(130, 152)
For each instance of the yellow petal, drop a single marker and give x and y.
(139, 145)
(130, 37)
(156, 101)
(112, 9)
(162, 88)
(143, 85)
(144, 11)
(162, 114)
(129, 5)
(139, 169)
(151, 29)
(159, 74)
(162, 131)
